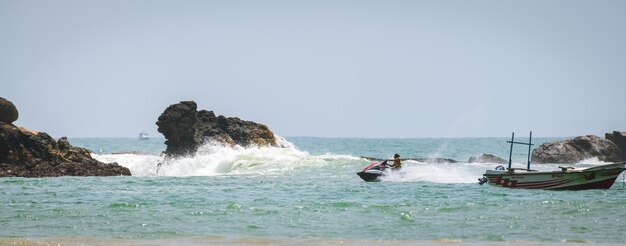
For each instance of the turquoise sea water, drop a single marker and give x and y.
(308, 193)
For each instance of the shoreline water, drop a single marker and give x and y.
(222, 240)
(307, 195)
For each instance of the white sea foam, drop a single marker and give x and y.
(282, 142)
(593, 161)
(437, 173)
(216, 159)
(138, 164)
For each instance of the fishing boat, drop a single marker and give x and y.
(144, 136)
(567, 178)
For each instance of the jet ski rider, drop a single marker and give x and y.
(397, 163)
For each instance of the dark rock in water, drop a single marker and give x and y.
(30, 154)
(619, 138)
(8, 111)
(433, 160)
(487, 158)
(177, 125)
(186, 129)
(576, 150)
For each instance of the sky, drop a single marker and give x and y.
(396, 69)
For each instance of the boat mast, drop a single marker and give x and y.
(530, 139)
(511, 151)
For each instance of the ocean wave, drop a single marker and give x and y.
(594, 161)
(282, 142)
(213, 159)
(138, 164)
(216, 159)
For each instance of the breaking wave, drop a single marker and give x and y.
(215, 159)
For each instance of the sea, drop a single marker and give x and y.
(305, 194)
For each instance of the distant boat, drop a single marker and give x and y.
(569, 178)
(143, 136)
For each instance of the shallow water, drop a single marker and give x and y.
(311, 193)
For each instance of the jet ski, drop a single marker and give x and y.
(374, 171)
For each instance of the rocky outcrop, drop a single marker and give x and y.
(8, 111)
(619, 138)
(186, 129)
(576, 150)
(26, 153)
(487, 158)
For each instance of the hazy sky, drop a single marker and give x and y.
(319, 68)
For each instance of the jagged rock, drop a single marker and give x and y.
(576, 150)
(8, 111)
(186, 129)
(177, 125)
(619, 138)
(28, 154)
(487, 158)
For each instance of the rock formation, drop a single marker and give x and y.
(487, 158)
(619, 138)
(576, 150)
(25, 153)
(186, 129)
(8, 111)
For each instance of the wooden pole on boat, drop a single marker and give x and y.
(530, 140)
(511, 151)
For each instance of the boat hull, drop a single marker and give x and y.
(371, 175)
(600, 177)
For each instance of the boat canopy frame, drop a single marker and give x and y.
(522, 143)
